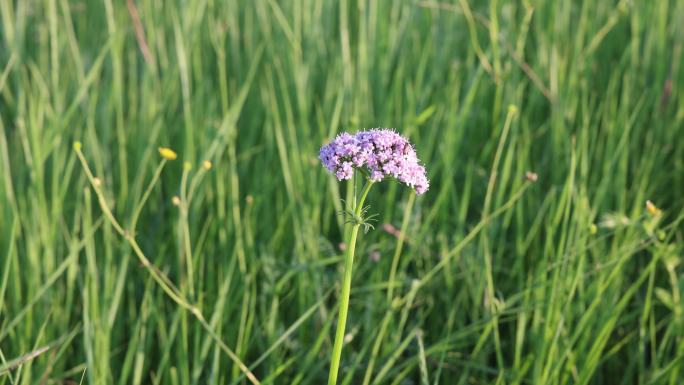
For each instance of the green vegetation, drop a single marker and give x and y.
(488, 278)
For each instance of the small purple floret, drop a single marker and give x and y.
(383, 153)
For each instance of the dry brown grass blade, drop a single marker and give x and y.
(23, 359)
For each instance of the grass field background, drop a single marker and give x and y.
(499, 280)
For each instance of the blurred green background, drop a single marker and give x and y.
(569, 280)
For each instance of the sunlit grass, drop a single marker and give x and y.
(534, 258)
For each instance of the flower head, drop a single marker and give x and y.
(653, 209)
(167, 153)
(381, 152)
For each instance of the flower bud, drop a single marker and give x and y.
(167, 153)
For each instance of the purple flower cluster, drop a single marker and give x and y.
(382, 152)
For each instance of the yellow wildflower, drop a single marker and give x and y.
(167, 153)
(653, 209)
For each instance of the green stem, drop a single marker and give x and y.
(146, 195)
(400, 244)
(164, 282)
(346, 289)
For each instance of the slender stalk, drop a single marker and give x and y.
(346, 288)
(400, 244)
(164, 282)
(185, 230)
(146, 194)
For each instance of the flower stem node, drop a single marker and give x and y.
(360, 220)
(396, 303)
(512, 109)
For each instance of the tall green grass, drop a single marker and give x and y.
(496, 279)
